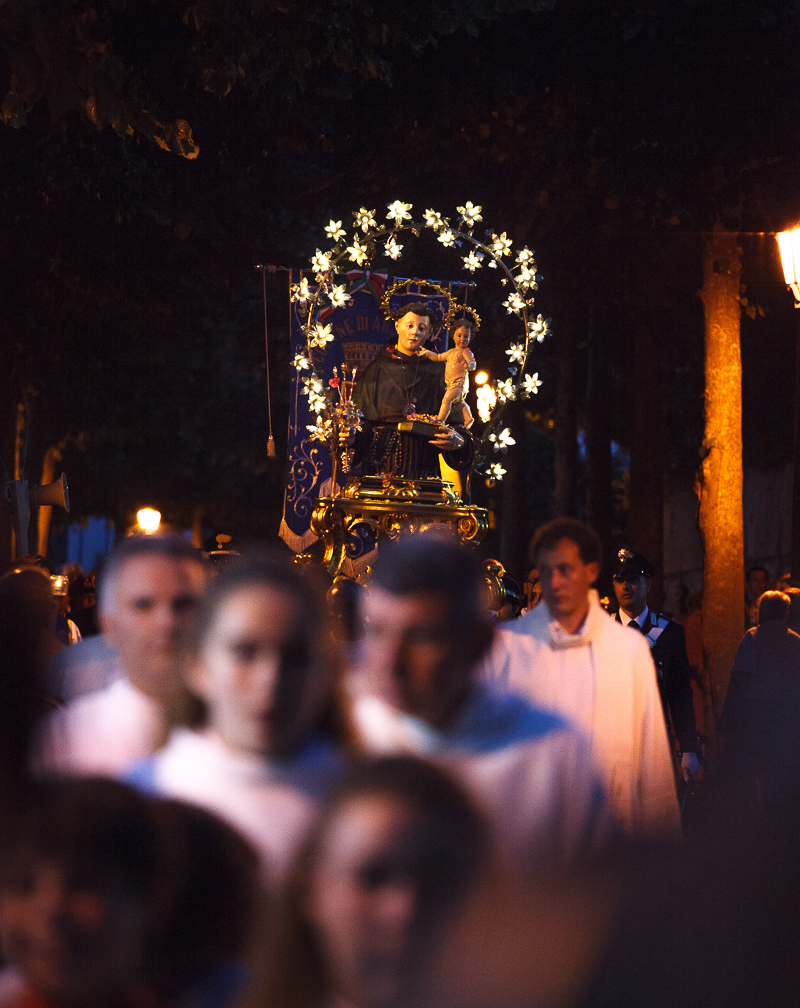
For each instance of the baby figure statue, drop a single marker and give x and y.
(458, 361)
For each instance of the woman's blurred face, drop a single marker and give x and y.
(256, 671)
(74, 940)
(367, 902)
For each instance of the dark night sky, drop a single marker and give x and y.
(608, 136)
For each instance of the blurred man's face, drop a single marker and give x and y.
(565, 581)
(757, 583)
(148, 617)
(412, 331)
(418, 654)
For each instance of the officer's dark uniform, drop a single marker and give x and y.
(667, 640)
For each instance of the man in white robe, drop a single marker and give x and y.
(147, 604)
(425, 631)
(570, 657)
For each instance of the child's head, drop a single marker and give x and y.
(462, 331)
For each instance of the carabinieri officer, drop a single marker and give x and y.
(633, 576)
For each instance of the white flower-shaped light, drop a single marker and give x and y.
(434, 220)
(300, 292)
(470, 213)
(398, 211)
(321, 430)
(527, 277)
(321, 262)
(506, 390)
(301, 362)
(514, 302)
(516, 355)
(539, 328)
(525, 256)
(500, 245)
(339, 296)
(365, 219)
(335, 231)
(530, 384)
(392, 249)
(473, 261)
(357, 252)
(503, 440)
(315, 393)
(320, 335)
(446, 237)
(496, 471)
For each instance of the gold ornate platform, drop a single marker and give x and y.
(387, 508)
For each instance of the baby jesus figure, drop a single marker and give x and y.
(458, 361)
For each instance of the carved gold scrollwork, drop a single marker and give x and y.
(390, 507)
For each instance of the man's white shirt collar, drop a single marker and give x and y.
(641, 619)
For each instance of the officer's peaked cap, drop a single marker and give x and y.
(630, 564)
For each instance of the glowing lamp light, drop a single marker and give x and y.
(481, 378)
(148, 520)
(789, 245)
(487, 397)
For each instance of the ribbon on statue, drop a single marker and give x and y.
(360, 330)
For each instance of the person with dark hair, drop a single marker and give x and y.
(756, 582)
(75, 888)
(398, 383)
(108, 899)
(426, 629)
(633, 575)
(568, 656)
(26, 596)
(205, 901)
(276, 730)
(761, 717)
(148, 598)
(392, 858)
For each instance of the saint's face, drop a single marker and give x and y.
(412, 331)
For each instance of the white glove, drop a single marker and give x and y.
(690, 765)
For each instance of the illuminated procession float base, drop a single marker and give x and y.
(373, 508)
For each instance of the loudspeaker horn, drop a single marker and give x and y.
(56, 493)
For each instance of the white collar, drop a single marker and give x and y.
(641, 619)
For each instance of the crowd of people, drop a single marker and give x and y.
(252, 788)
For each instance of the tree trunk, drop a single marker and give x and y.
(646, 516)
(599, 471)
(566, 424)
(720, 480)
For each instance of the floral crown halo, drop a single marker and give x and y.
(404, 287)
(458, 314)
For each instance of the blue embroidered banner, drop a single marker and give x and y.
(360, 330)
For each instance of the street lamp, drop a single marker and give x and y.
(789, 245)
(148, 520)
